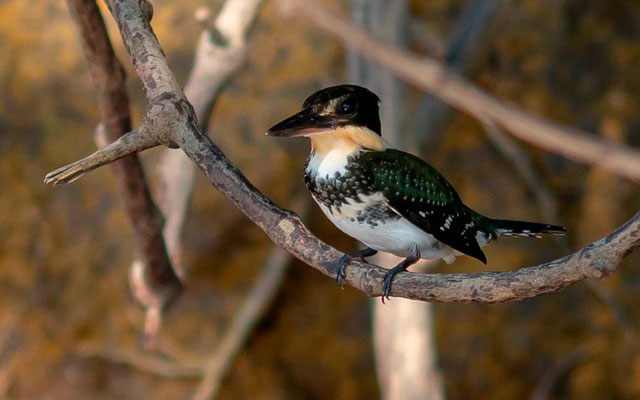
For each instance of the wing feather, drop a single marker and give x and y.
(418, 192)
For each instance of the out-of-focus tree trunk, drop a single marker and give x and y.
(403, 332)
(406, 353)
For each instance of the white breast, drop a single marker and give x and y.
(327, 164)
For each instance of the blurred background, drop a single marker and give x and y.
(65, 306)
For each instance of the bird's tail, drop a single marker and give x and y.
(505, 227)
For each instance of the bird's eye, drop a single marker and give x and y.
(347, 107)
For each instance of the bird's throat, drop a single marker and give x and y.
(332, 150)
(347, 140)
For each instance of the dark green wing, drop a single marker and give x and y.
(419, 193)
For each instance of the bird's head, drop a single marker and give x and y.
(332, 110)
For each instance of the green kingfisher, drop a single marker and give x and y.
(389, 200)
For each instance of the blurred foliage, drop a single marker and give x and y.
(64, 252)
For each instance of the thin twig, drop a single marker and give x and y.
(143, 361)
(523, 165)
(550, 379)
(129, 143)
(256, 303)
(457, 55)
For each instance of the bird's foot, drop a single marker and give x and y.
(340, 270)
(342, 264)
(388, 278)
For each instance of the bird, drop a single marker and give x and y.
(389, 200)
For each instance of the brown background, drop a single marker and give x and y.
(64, 251)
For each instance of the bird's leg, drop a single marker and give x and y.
(342, 264)
(388, 278)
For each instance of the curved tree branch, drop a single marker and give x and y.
(170, 119)
(429, 75)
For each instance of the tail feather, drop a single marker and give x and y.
(505, 227)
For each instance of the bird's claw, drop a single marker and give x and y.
(388, 278)
(346, 258)
(340, 270)
(386, 285)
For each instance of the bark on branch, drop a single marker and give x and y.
(158, 284)
(169, 118)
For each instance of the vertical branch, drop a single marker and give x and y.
(154, 283)
(404, 337)
(405, 349)
(403, 334)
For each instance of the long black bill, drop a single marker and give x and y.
(301, 124)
